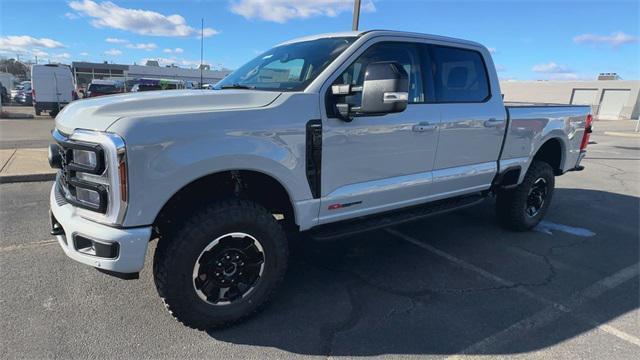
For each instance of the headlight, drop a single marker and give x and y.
(85, 158)
(93, 174)
(93, 197)
(88, 158)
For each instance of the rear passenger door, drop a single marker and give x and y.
(472, 121)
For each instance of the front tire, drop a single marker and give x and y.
(523, 208)
(221, 265)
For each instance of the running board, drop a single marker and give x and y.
(378, 221)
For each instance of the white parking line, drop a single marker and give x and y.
(552, 312)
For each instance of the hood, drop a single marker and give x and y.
(100, 112)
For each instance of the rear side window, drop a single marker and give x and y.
(459, 75)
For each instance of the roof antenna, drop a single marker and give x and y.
(356, 15)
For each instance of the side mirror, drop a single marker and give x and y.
(385, 89)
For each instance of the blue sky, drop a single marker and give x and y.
(529, 39)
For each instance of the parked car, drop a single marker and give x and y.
(52, 88)
(145, 84)
(17, 88)
(23, 94)
(143, 87)
(104, 87)
(4, 95)
(330, 135)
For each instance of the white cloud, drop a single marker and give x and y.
(23, 43)
(281, 11)
(144, 22)
(500, 68)
(116, 40)
(172, 51)
(84, 53)
(614, 40)
(71, 16)
(551, 68)
(39, 53)
(113, 52)
(147, 47)
(492, 50)
(63, 55)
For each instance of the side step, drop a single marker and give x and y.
(378, 221)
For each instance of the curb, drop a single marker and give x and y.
(8, 179)
(13, 116)
(623, 134)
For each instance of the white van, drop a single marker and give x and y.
(53, 87)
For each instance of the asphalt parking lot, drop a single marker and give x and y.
(455, 285)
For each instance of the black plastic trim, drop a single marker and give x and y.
(313, 156)
(119, 275)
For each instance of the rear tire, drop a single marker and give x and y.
(213, 248)
(523, 208)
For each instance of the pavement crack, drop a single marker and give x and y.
(328, 333)
(8, 160)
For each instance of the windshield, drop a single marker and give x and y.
(288, 67)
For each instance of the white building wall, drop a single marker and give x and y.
(561, 92)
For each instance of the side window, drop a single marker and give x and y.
(459, 75)
(404, 53)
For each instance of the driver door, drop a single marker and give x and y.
(379, 163)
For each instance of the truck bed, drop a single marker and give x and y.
(531, 124)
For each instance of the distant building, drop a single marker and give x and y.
(174, 72)
(609, 97)
(609, 76)
(85, 72)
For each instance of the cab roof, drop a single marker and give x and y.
(374, 33)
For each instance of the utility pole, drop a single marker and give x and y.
(356, 15)
(201, 50)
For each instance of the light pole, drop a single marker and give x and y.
(356, 15)
(201, 49)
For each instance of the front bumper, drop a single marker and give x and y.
(131, 242)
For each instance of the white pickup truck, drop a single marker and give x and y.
(330, 135)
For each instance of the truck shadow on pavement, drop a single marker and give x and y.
(458, 283)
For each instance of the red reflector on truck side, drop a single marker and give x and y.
(587, 133)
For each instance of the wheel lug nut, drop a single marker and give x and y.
(227, 257)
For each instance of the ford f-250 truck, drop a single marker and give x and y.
(329, 135)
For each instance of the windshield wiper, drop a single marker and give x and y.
(237, 86)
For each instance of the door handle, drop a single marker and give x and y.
(423, 126)
(493, 122)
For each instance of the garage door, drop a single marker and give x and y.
(612, 103)
(584, 96)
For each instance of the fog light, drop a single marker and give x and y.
(88, 197)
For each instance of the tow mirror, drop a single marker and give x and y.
(385, 90)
